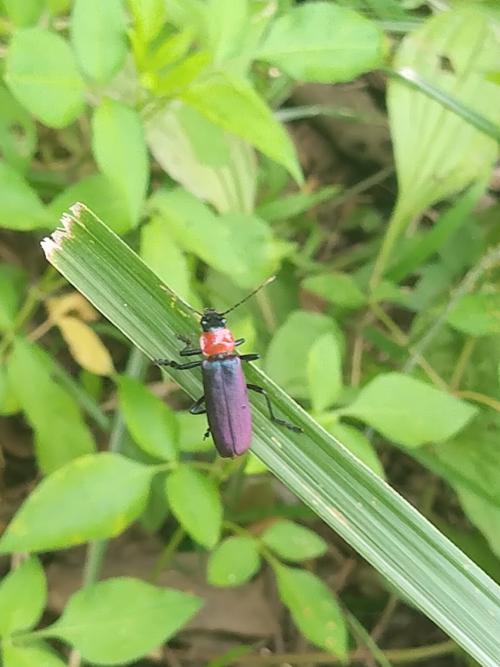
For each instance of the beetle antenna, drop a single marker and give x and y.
(178, 298)
(248, 296)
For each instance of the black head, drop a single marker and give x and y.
(211, 319)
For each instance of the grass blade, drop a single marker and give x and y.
(403, 546)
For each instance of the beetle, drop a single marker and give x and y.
(225, 401)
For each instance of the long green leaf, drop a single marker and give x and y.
(404, 547)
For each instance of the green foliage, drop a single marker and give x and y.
(153, 115)
(293, 542)
(101, 495)
(23, 595)
(149, 420)
(195, 500)
(54, 95)
(98, 38)
(323, 42)
(97, 615)
(61, 433)
(409, 411)
(313, 608)
(233, 562)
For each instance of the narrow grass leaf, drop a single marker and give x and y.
(399, 542)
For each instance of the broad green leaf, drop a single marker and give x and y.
(119, 620)
(409, 411)
(227, 25)
(236, 107)
(286, 359)
(41, 73)
(376, 521)
(477, 314)
(293, 542)
(98, 37)
(337, 288)
(241, 246)
(17, 132)
(323, 42)
(293, 205)
(150, 421)
(61, 433)
(91, 498)
(233, 562)
(120, 150)
(23, 13)
(192, 429)
(210, 163)
(437, 152)
(149, 16)
(40, 655)
(313, 608)
(195, 500)
(12, 282)
(23, 594)
(105, 198)
(9, 403)
(358, 444)
(162, 254)
(324, 372)
(21, 208)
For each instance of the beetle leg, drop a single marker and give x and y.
(187, 351)
(175, 364)
(239, 341)
(249, 357)
(207, 434)
(276, 420)
(198, 408)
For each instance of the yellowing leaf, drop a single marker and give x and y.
(85, 346)
(73, 302)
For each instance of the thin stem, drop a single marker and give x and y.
(477, 397)
(168, 552)
(462, 363)
(364, 637)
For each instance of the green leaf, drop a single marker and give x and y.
(12, 282)
(437, 152)
(337, 288)
(61, 433)
(293, 542)
(376, 521)
(40, 655)
(477, 314)
(210, 163)
(17, 132)
(104, 197)
(21, 208)
(409, 411)
(358, 444)
(91, 498)
(295, 204)
(324, 372)
(24, 13)
(227, 25)
(233, 562)
(150, 421)
(9, 403)
(236, 107)
(119, 620)
(120, 150)
(235, 244)
(98, 37)
(23, 594)
(323, 42)
(42, 75)
(195, 501)
(162, 254)
(313, 608)
(149, 16)
(287, 355)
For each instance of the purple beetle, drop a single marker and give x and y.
(225, 401)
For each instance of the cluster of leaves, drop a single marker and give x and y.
(85, 105)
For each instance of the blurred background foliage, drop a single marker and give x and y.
(377, 207)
